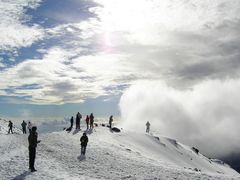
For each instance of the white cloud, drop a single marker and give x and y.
(59, 78)
(206, 116)
(180, 42)
(147, 21)
(14, 32)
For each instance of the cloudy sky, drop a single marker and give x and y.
(173, 62)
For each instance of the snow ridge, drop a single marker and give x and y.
(124, 155)
(4, 127)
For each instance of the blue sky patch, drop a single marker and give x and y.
(55, 12)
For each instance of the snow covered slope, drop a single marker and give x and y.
(4, 127)
(125, 155)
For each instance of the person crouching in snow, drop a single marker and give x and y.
(84, 141)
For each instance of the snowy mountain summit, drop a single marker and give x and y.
(109, 155)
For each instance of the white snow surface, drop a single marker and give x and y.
(110, 155)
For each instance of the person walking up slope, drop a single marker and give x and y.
(33, 141)
(10, 125)
(84, 141)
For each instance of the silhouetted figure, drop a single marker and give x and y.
(91, 120)
(24, 125)
(71, 125)
(78, 119)
(87, 121)
(10, 125)
(84, 141)
(33, 141)
(110, 121)
(147, 127)
(29, 127)
(71, 121)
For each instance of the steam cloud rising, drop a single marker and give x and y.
(205, 116)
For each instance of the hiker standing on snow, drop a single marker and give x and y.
(71, 121)
(29, 127)
(87, 121)
(110, 121)
(10, 125)
(78, 118)
(24, 125)
(91, 120)
(147, 127)
(84, 141)
(32, 140)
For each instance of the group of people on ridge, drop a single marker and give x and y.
(33, 135)
(24, 127)
(89, 121)
(32, 140)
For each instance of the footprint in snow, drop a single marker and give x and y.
(81, 157)
(138, 153)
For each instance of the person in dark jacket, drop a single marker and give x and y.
(110, 121)
(24, 125)
(87, 121)
(84, 141)
(10, 125)
(71, 121)
(147, 127)
(78, 119)
(33, 141)
(71, 125)
(91, 120)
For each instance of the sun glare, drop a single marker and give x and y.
(123, 15)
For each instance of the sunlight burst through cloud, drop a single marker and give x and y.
(116, 43)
